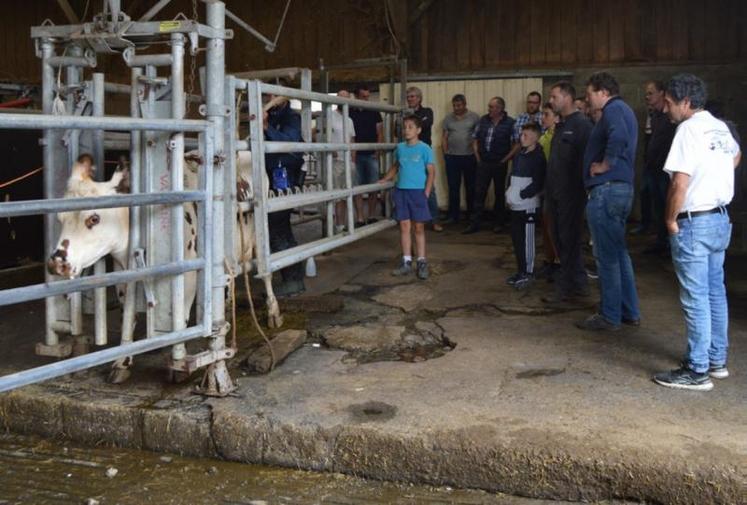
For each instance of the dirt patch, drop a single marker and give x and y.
(372, 412)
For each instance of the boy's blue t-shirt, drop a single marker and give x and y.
(413, 164)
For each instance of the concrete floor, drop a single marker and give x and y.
(523, 404)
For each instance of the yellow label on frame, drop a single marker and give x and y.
(167, 26)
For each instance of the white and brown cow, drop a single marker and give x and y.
(89, 235)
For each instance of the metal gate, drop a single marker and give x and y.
(157, 131)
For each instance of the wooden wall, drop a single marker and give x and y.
(450, 36)
(473, 35)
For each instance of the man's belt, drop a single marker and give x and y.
(690, 215)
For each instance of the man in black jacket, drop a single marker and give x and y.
(565, 193)
(657, 148)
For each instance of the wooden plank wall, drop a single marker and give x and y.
(451, 36)
(554, 34)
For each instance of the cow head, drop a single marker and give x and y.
(89, 235)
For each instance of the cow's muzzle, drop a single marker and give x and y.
(58, 264)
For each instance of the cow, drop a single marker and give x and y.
(89, 235)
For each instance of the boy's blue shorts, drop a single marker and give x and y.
(411, 204)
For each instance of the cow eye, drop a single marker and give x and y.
(92, 221)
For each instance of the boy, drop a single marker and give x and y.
(415, 172)
(522, 197)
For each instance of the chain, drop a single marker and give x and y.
(192, 62)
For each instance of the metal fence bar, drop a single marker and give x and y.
(119, 123)
(256, 130)
(319, 97)
(329, 170)
(70, 365)
(38, 291)
(282, 259)
(304, 199)
(286, 147)
(54, 205)
(348, 169)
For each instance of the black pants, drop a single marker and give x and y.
(567, 210)
(279, 223)
(522, 236)
(457, 167)
(657, 182)
(488, 171)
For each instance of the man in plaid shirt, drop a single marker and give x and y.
(532, 115)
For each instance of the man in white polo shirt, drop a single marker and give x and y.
(701, 164)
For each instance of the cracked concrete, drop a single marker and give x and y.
(524, 403)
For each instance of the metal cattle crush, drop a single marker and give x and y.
(155, 133)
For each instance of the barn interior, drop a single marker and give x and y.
(459, 382)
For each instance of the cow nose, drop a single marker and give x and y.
(57, 264)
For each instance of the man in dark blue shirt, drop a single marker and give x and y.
(609, 168)
(492, 147)
(281, 123)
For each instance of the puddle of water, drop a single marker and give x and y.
(40, 471)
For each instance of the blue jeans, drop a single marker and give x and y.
(606, 212)
(698, 251)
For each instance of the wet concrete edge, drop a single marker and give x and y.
(471, 457)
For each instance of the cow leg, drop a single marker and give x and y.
(120, 371)
(274, 318)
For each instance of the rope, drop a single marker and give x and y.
(248, 288)
(21, 177)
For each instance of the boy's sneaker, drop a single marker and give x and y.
(718, 371)
(422, 269)
(684, 378)
(523, 281)
(405, 268)
(511, 280)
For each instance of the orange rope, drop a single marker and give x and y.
(20, 178)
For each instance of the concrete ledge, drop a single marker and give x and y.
(478, 456)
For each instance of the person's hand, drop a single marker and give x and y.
(599, 168)
(427, 193)
(265, 117)
(672, 227)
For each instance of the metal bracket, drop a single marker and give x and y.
(150, 297)
(193, 362)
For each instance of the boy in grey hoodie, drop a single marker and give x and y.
(523, 198)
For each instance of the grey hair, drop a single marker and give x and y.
(416, 90)
(690, 86)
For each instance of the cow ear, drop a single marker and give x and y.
(121, 179)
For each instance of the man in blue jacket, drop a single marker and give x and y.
(609, 162)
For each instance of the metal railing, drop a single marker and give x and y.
(202, 197)
(263, 204)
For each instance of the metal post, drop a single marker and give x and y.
(217, 379)
(51, 339)
(306, 106)
(128, 316)
(329, 169)
(230, 173)
(257, 141)
(348, 167)
(73, 77)
(178, 108)
(98, 157)
(151, 213)
(402, 82)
